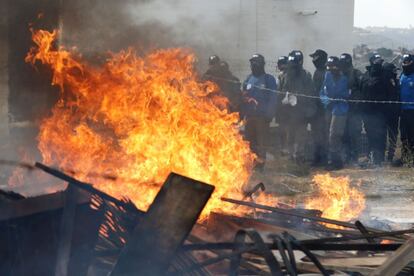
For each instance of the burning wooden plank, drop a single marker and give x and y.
(167, 223)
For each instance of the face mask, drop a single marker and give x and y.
(345, 67)
(319, 63)
(376, 69)
(293, 68)
(257, 69)
(408, 70)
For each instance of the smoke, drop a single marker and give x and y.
(96, 27)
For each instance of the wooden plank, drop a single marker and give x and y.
(228, 225)
(65, 232)
(164, 228)
(310, 267)
(351, 262)
(397, 261)
(81, 185)
(35, 205)
(294, 214)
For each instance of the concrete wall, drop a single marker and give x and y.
(235, 29)
(276, 27)
(4, 77)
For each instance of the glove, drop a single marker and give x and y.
(325, 100)
(293, 100)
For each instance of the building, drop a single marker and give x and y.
(233, 29)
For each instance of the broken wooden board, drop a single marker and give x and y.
(310, 267)
(164, 228)
(223, 225)
(35, 205)
(397, 261)
(66, 231)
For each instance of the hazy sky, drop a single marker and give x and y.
(390, 13)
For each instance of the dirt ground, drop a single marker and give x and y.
(389, 191)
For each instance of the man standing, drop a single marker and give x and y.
(333, 93)
(375, 88)
(230, 86)
(259, 104)
(318, 122)
(353, 127)
(283, 112)
(407, 109)
(298, 80)
(219, 72)
(213, 68)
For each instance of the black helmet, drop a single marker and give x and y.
(213, 60)
(319, 54)
(408, 64)
(407, 60)
(376, 59)
(345, 61)
(282, 60)
(332, 63)
(296, 57)
(257, 58)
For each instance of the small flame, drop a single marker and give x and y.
(17, 178)
(336, 198)
(140, 118)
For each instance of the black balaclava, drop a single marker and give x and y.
(375, 68)
(345, 62)
(408, 65)
(319, 63)
(257, 65)
(319, 59)
(332, 66)
(295, 62)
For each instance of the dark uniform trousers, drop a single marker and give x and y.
(375, 125)
(256, 129)
(407, 135)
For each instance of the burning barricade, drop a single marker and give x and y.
(135, 120)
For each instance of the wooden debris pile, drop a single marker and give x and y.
(83, 231)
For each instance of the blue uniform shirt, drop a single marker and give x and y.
(335, 89)
(407, 91)
(259, 88)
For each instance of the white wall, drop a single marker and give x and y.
(4, 80)
(235, 29)
(281, 27)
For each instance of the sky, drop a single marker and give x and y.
(389, 13)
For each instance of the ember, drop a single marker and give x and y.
(140, 118)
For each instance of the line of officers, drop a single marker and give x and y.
(336, 126)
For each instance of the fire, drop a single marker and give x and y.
(16, 179)
(140, 118)
(386, 242)
(336, 199)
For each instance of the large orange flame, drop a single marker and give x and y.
(140, 118)
(336, 198)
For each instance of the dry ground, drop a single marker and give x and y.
(389, 191)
